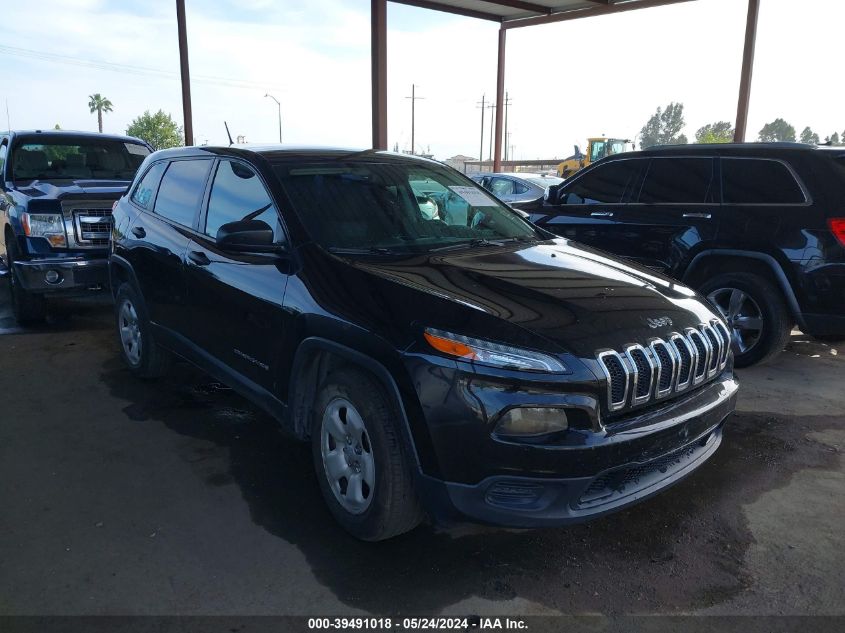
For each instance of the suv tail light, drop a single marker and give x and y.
(837, 226)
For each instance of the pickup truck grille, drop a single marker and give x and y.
(92, 226)
(644, 373)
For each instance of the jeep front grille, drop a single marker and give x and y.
(92, 226)
(641, 374)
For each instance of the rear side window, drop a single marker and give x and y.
(756, 181)
(145, 191)
(4, 148)
(606, 184)
(239, 194)
(501, 186)
(520, 187)
(678, 181)
(181, 190)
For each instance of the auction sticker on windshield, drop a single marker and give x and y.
(473, 196)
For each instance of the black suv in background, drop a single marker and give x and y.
(757, 228)
(56, 193)
(456, 360)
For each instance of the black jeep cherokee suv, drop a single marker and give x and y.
(440, 352)
(759, 228)
(56, 193)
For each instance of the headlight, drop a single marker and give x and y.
(532, 421)
(493, 354)
(50, 226)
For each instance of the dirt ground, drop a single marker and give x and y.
(177, 497)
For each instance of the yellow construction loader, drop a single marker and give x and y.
(597, 148)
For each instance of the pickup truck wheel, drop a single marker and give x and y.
(756, 314)
(360, 457)
(27, 308)
(145, 358)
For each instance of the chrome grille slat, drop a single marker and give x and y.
(92, 226)
(640, 374)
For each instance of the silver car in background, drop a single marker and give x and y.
(517, 189)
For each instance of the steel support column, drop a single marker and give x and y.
(500, 99)
(185, 73)
(378, 59)
(747, 71)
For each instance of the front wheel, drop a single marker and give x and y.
(360, 457)
(756, 314)
(137, 344)
(27, 308)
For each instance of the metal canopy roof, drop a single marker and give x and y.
(516, 13)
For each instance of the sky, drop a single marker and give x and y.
(566, 81)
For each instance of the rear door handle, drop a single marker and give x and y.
(199, 258)
(138, 231)
(703, 216)
(602, 214)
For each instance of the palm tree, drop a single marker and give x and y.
(99, 104)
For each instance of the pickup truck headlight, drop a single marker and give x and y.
(50, 226)
(493, 354)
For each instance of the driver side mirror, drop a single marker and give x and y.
(247, 236)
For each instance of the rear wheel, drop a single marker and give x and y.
(138, 347)
(27, 307)
(756, 314)
(361, 461)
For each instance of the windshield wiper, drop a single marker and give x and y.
(372, 250)
(476, 243)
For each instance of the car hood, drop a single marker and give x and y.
(577, 298)
(61, 189)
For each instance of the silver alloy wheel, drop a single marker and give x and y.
(744, 317)
(347, 456)
(130, 332)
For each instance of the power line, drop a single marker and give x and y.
(130, 69)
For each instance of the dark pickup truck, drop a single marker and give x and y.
(57, 189)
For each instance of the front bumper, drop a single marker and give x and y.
(621, 464)
(76, 275)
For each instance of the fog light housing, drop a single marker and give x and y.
(532, 421)
(52, 277)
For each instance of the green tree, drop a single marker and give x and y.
(664, 127)
(159, 130)
(99, 104)
(809, 137)
(719, 132)
(833, 139)
(777, 130)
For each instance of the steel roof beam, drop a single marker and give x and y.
(589, 12)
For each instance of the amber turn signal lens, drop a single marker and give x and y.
(448, 346)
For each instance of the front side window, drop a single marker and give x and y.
(63, 158)
(181, 190)
(365, 207)
(678, 181)
(609, 183)
(145, 191)
(237, 193)
(757, 181)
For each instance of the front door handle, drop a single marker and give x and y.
(602, 214)
(199, 258)
(700, 215)
(139, 232)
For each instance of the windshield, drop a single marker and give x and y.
(82, 159)
(544, 181)
(395, 207)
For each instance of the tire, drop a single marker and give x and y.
(756, 313)
(144, 357)
(356, 438)
(27, 308)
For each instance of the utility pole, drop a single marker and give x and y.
(413, 99)
(507, 103)
(481, 147)
(184, 72)
(492, 107)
